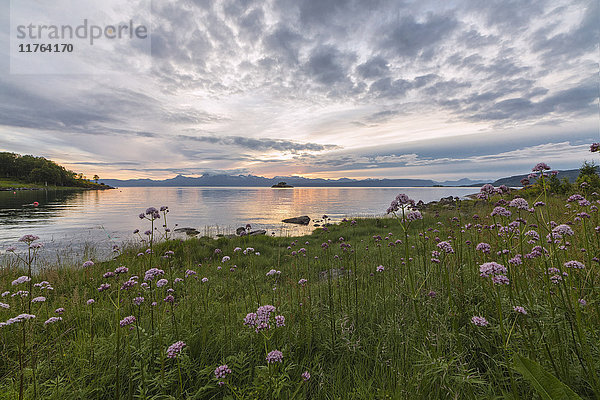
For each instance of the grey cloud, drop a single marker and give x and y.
(190, 116)
(386, 87)
(374, 68)
(584, 38)
(447, 88)
(284, 44)
(409, 38)
(321, 11)
(263, 144)
(104, 163)
(507, 14)
(383, 116)
(20, 107)
(252, 24)
(237, 7)
(328, 65)
(579, 100)
(425, 80)
(475, 40)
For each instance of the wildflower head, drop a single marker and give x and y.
(479, 321)
(222, 371)
(491, 268)
(127, 321)
(250, 319)
(400, 201)
(28, 238)
(169, 299)
(305, 376)
(21, 279)
(274, 356)
(88, 264)
(190, 272)
(594, 147)
(483, 247)
(153, 273)
(487, 189)
(175, 349)
(161, 282)
(500, 279)
(574, 264)
(446, 247)
(121, 270)
(414, 215)
(520, 310)
(90, 302)
(103, 287)
(279, 321)
(501, 211)
(519, 203)
(52, 320)
(540, 167)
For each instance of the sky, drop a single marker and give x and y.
(319, 88)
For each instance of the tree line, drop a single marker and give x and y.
(40, 170)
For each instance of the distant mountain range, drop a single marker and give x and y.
(570, 174)
(298, 181)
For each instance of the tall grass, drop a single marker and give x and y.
(409, 306)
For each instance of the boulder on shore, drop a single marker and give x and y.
(257, 232)
(187, 231)
(303, 220)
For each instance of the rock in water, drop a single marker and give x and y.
(239, 230)
(187, 231)
(303, 220)
(257, 232)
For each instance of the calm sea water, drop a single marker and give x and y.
(86, 224)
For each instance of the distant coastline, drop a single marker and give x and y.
(223, 180)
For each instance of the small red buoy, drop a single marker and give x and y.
(35, 204)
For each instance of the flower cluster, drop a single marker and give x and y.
(400, 201)
(52, 320)
(496, 271)
(446, 247)
(153, 273)
(222, 371)
(479, 321)
(18, 318)
(261, 319)
(174, 349)
(274, 356)
(21, 279)
(483, 247)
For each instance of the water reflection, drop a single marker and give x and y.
(104, 218)
(18, 208)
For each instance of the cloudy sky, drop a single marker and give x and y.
(319, 88)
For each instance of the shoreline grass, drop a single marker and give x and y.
(455, 301)
(7, 184)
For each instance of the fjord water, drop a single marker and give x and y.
(78, 221)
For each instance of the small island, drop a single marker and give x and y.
(282, 185)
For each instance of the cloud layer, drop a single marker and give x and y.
(329, 88)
